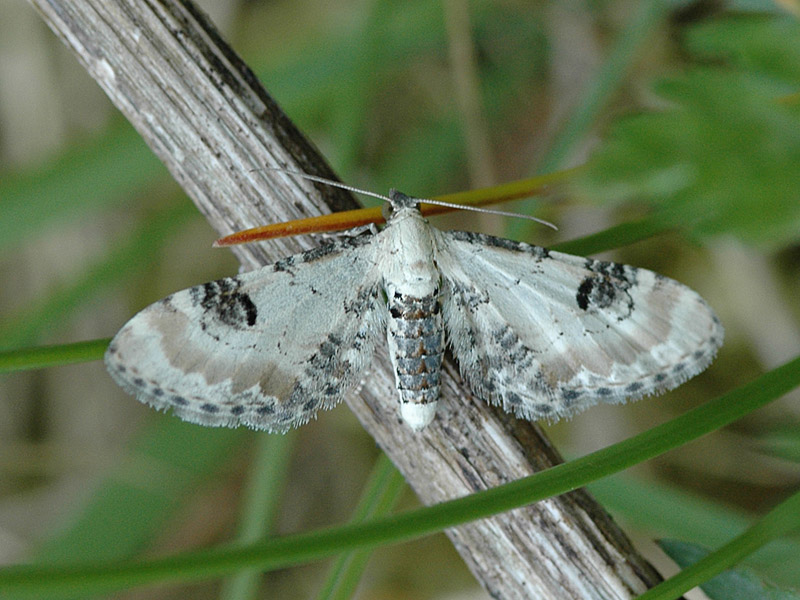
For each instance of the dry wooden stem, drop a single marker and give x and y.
(206, 116)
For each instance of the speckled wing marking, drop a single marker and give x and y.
(545, 334)
(266, 349)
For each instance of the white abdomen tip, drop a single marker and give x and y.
(418, 416)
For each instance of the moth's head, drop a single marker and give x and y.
(399, 200)
(398, 204)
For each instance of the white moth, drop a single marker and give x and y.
(540, 333)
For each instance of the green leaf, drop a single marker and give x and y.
(722, 157)
(662, 510)
(736, 584)
(758, 44)
(781, 520)
(646, 18)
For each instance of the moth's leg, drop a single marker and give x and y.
(354, 232)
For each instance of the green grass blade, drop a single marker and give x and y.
(41, 357)
(34, 580)
(613, 237)
(259, 506)
(381, 494)
(781, 520)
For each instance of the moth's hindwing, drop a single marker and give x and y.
(545, 334)
(266, 349)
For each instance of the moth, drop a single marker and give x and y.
(542, 334)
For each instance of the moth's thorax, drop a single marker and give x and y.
(415, 329)
(409, 254)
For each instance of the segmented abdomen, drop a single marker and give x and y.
(416, 344)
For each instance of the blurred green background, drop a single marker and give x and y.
(686, 115)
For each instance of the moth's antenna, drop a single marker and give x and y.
(488, 211)
(356, 190)
(329, 182)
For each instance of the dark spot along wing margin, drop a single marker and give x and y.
(545, 334)
(266, 349)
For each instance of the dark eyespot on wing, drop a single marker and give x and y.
(545, 335)
(266, 349)
(223, 300)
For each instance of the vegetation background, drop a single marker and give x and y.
(686, 116)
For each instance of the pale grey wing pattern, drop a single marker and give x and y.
(266, 349)
(545, 334)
